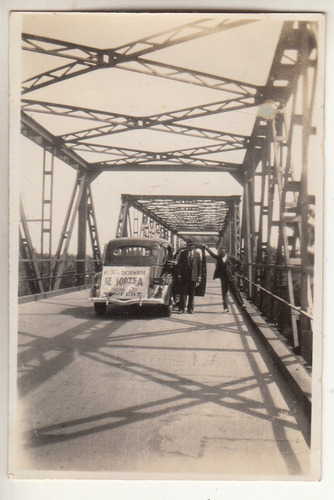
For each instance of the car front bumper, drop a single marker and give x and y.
(128, 302)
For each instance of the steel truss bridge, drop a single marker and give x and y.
(268, 231)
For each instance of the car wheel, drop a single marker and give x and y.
(167, 309)
(100, 308)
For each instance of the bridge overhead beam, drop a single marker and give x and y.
(188, 160)
(38, 134)
(185, 165)
(183, 155)
(85, 59)
(114, 123)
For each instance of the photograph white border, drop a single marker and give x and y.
(176, 489)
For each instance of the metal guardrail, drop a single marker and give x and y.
(296, 308)
(64, 275)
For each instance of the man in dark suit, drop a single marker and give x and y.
(222, 271)
(189, 272)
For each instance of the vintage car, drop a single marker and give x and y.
(135, 271)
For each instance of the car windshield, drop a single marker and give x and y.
(131, 255)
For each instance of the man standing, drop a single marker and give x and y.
(189, 272)
(222, 271)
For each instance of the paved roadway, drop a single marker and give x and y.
(143, 395)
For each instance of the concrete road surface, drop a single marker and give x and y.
(133, 394)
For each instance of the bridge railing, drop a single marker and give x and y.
(273, 305)
(68, 279)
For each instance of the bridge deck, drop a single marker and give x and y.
(142, 394)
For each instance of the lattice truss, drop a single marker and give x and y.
(183, 215)
(186, 217)
(199, 126)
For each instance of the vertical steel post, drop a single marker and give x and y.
(232, 229)
(46, 220)
(122, 226)
(82, 234)
(248, 236)
(135, 224)
(27, 254)
(92, 224)
(237, 229)
(308, 93)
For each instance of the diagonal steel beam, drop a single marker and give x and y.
(67, 230)
(56, 75)
(38, 134)
(179, 34)
(88, 58)
(164, 122)
(142, 66)
(200, 133)
(83, 59)
(126, 153)
(35, 106)
(60, 48)
(213, 108)
(178, 164)
(193, 77)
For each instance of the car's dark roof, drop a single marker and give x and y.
(139, 242)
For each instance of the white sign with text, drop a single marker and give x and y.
(125, 282)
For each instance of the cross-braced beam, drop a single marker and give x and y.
(142, 155)
(170, 128)
(85, 59)
(162, 122)
(143, 159)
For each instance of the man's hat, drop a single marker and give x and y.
(190, 243)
